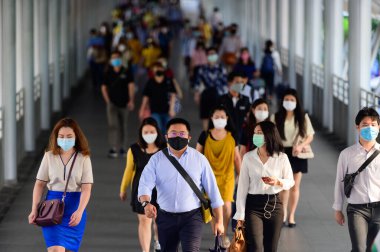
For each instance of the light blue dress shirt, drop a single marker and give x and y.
(173, 193)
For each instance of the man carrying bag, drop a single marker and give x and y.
(358, 180)
(179, 218)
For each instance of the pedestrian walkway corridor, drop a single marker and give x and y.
(112, 226)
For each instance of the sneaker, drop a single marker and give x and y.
(112, 153)
(123, 152)
(157, 246)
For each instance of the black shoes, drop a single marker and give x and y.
(292, 225)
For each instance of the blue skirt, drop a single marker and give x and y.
(62, 234)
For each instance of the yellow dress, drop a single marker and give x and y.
(221, 154)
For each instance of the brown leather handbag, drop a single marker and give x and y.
(238, 243)
(50, 212)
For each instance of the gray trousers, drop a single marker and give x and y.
(363, 225)
(117, 126)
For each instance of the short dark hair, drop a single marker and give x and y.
(178, 121)
(160, 140)
(366, 111)
(231, 76)
(211, 48)
(272, 137)
(116, 52)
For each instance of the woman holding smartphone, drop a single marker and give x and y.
(265, 172)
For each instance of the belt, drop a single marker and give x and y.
(178, 214)
(368, 205)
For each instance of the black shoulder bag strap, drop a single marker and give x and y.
(205, 202)
(366, 163)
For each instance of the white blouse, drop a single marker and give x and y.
(252, 170)
(55, 174)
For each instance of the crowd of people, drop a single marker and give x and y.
(244, 154)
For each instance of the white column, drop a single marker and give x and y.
(279, 17)
(44, 63)
(55, 40)
(79, 33)
(333, 56)
(9, 90)
(359, 56)
(263, 21)
(258, 29)
(300, 27)
(65, 47)
(28, 74)
(292, 43)
(316, 32)
(271, 20)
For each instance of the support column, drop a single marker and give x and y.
(258, 38)
(44, 63)
(9, 90)
(28, 73)
(55, 40)
(279, 17)
(313, 48)
(271, 20)
(65, 47)
(333, 56)
(359, 56)
(292, 43)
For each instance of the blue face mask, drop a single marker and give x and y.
(212, 58)
(66, 143)
(369, 133)
(116, 62)
(258, 140)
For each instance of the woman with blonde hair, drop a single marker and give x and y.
(68, 147)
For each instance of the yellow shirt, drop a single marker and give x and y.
(150, 55)
(129, 172)
(135, 48)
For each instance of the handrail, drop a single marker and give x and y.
(318, 75)
(369, 99)
(299, 65)
(37, 87)
(340, 89)
(284, 56)
(19, 104)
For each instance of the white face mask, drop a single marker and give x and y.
(121, 48)
(149, 138)
(289, 105)
(219, 123)
(261, 115)
(103, 30)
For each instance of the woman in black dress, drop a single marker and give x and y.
(150, 141)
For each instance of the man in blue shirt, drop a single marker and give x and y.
(179, 218)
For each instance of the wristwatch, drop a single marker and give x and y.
(144, 203)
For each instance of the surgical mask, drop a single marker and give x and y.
(116, 62)
(196, 34)
(219, 123)
(121, 48)
(178, 143)
(237, 87)
(66, 143)
(212, 58)
(289, 105)
(149, 138)
(369, 133)
(261, 115)
(258, 140)
(103, 29)
(245, 56)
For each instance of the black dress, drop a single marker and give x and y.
(140, 158)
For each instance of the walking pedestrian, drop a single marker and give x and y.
(68, 147)
(179, 219)
(363, 209)
(265, 172)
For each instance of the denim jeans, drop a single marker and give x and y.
(162, 119)
(363, 226)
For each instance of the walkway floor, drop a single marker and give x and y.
(113, 227)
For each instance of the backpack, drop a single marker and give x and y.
(267, 65)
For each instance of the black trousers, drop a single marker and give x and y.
(262, 233)
(174, 228)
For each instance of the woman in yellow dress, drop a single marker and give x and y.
(221, 150)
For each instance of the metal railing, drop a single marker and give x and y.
(20, 104)
(369, 99)
(318, 77)
(37, 87)
(284, 56)
(299, 65)
(340, 89)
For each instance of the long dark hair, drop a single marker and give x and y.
(250, 61)
(299, 115)
(272, 137)
(160, 140)
(251, 120)
(230, 125)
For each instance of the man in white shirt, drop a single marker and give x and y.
(363, 210)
